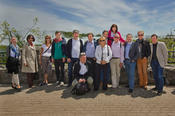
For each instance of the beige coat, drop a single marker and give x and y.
(29, 56)
(161, 52)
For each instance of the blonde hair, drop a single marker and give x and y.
(48, 36)
(142, 32)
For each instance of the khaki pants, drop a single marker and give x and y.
(142, 65)
(15, 79)
(115, 72)
(89, 81)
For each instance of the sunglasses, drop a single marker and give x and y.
(47, 38)
(102, 40)
(140, 35)
(117, 37)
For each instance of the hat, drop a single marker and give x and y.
(75, 31)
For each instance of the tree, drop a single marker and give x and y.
(6, 32)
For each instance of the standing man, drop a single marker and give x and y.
(142, 61)
(89, 49)
(159, 58)
(74, 48)
(58, 53)
(117, 60)
(130, 54)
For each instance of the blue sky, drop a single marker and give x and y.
(152, 16)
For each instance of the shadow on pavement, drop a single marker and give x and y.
(173, 92)
(67, 94)
(47, 89)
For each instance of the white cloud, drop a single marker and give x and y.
(97, 15)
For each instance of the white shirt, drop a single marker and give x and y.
(83, 69)
(75, 48)
(105, 57)
(48, 52)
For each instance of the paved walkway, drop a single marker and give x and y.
(51, 101)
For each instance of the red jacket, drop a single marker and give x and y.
(110, 39)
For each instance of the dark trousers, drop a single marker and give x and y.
(158, 75)
(99, 68)
(70, 66)
(30, 77)
(93, 63)
(59, 67)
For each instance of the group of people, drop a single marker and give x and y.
(95, 62)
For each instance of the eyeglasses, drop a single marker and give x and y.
(102, 40)
(140, 35)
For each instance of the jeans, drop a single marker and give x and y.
(130, 70)
(70, 67)
(100, 67)
(158, 75)
(108, 74)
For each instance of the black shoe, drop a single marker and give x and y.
(154, 89)
(159, 93)
(18, 89)
(127, 86)
(105, 88)
(130, 90)
(95, 89)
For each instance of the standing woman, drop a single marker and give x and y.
(113, 31)
(45, 62)
(103, 54)
(13, 54)
(29, 60)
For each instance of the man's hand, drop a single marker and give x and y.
(52, 60)
(40, 62)
(103, 62)
(64, 60)
(121, 65)
(82, 80)
(68, 60)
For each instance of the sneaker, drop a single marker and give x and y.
(159, 93)
(62, 84)
(57, 82)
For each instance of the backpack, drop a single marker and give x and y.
(80, 89)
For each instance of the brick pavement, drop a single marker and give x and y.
(51, 101)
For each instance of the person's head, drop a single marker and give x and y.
(102, 41)
(13, 40)
(75, 34)
(114, 28)
(154, 38)
(129, 37)
(116, 38)
(48, 39)
(140, 34)
(57, 34)
(83, 57)
(30, 38)
(105, 33)
(90, 36)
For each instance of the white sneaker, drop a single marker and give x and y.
(57, 82)
(62, 84)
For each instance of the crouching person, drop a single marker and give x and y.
(82, 73)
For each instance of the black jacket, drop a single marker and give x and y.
(76, 70)
(69, 48)
(63, 46)
(133, 52)
(146, 50)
